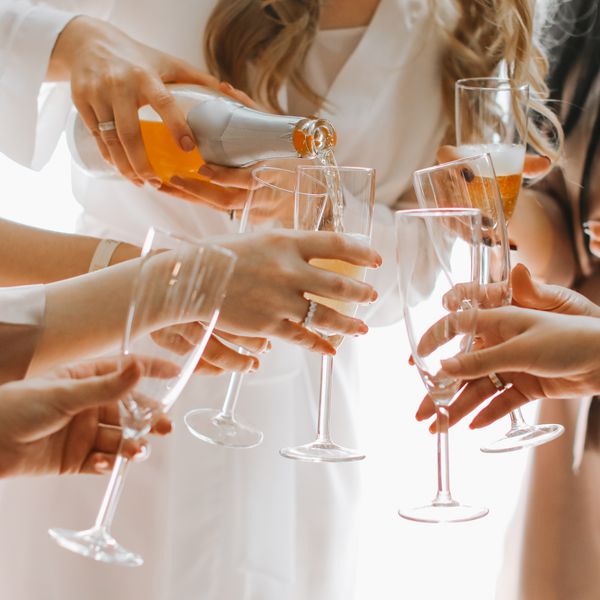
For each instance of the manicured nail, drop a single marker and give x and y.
(206, 171)
(374, 297)
(102, 465)
(137, 182)
(362, 329)
(187, 143)
(155, 183)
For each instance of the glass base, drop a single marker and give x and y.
(452, 512)
(525, 437)
(321, 452)
(213, 427)
(97, 544)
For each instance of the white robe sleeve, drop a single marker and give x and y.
(21, 324)
(29, 129)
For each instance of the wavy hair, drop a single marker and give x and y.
(257, 45)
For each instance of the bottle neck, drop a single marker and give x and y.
(313, 137)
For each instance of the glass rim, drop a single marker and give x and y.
(485, 156)
(301, 168)
(469, 83)
(437, 212)
(149, 239)
(273, 186)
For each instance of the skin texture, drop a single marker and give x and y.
(68, 422)
(545, 347)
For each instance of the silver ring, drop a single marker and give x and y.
(310, 313)
(497, 382)
(107, 126)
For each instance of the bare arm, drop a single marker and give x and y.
(30, 255)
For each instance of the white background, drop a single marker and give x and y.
(398, 559)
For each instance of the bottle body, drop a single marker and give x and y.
(227, 132)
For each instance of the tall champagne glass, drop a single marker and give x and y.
(438, 250)
(270, 205)
(348, 209)
(491, 116)
(183, 285)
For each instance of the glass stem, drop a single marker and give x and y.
(112, 494)
(443, 495)
(516, 419)
(233, 392)
(323, 423)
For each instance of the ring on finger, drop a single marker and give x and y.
(500, 385)
(310, 314)
(104, 126)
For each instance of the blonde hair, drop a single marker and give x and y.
(270, 38)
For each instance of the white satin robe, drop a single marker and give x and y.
(213, 523)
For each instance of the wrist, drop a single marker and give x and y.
(79, 31)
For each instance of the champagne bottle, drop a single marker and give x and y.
(227, 133)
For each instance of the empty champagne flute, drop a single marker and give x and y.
(270, 205)
(491, 116)
(438, 250)
(346, 208)
(174, 306)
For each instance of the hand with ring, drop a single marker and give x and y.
(547, 351)
(266, 294)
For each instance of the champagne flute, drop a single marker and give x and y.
(181, 285)
(348, 209)
(438, 249)
(491, 116)
(270, 205)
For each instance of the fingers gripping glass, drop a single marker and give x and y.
(183, 285)
(348, 209)
(270, 205)
(491, 115)
(436, 251)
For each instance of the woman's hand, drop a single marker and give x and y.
(219, 356)
(266, 294)
(549, 352)
(111, 77)
(69, 422)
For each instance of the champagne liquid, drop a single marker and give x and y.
(334, 189)
(509, 186)
(343, 268)
(508, 160)
(166, 157)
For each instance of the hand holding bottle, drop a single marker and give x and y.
(112, 76)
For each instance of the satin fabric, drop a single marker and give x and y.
(214, 523)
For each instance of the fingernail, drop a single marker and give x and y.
(206, 171)
(177, 181)
(363, 329)
(227, 86)
(102, 465)
(432, 428)
(473, 424)
(137, 182)
(418, 416)
(187, 143)
(374, 297)
(155, 182)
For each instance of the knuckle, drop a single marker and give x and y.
(162, 99)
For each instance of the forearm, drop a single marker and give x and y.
(85, 316)
(30, 255)
(541, 234)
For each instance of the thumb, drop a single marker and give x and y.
(527, 293)
(76, 396)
